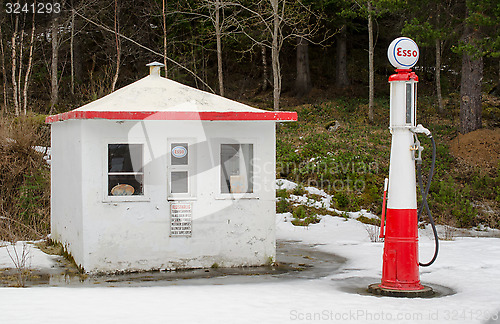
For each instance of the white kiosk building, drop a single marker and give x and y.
(159, 175)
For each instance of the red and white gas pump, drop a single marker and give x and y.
(400, 271)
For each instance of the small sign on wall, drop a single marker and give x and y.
(181, 219)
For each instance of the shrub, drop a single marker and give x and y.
(341, 199)
(283, 206)
(24, 180)
(299, 190)
(303, 216)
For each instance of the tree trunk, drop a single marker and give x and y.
(164, 14)
(77, 54)
(264, 67)
(193, 56)
(370, 64)
(303, 81)
(14, 68)
(72, 50)
(20, 71)
(439, 46)
(341, 76)
(218, 36)
(118, 48)
(4, 73)
(275, 56)
(470, 94)
(438, 77)
(54, 95)
(28, 68)
(470, 85)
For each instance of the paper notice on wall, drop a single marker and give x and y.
(181, 219)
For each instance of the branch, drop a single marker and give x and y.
(146, 48)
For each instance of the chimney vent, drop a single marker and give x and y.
(154, 68)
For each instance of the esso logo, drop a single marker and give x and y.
(403, 53)
(179, 152)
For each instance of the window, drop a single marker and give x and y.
(236, 168)
(179, 168)
(125, 170)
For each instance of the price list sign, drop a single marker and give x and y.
(181, 215)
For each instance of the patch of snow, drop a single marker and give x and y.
(285, 184)
(36, 259)
(316, 191)
(285, 217)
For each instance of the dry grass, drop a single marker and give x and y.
(24, 180)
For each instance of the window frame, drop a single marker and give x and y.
(190, 168)
(255, 150)
(105, 173)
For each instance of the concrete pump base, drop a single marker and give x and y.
(377, 290)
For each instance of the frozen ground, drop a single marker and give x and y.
(466, 274)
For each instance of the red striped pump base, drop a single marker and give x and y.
(400, 269)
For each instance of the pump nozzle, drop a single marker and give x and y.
(421, 130)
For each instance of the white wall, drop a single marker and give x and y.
(134, 235)
(66, 189)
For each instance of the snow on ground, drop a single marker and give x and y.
(285, 184)
(324, 202)
(470, 266)
(35, 259)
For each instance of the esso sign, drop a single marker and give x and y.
(403, 53)
(179, 152)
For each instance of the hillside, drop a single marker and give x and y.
(333, 147)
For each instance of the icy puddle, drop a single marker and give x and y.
(294, 261)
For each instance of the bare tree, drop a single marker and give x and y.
(20, 65)
(164, 14)
(29, 67)
(118, 48)
(264, 23)
(439, 46)
(275, 50)
(72, 49)
(214, 12)
(218, 35)
(4, 72)
(54, 93)
(264, 67)
(15, 94)
(371, 72)
(216, 15)
(103, 27)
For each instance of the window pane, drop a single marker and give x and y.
(125, 158)
(179, 153)
(247, 165)
(409, 98)
(125, 185)
(236, 168)
(179, 181)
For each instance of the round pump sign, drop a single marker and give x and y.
(403, 53)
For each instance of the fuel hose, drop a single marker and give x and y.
(424, 193)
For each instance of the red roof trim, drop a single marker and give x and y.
(404, 75)
(175, 115)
